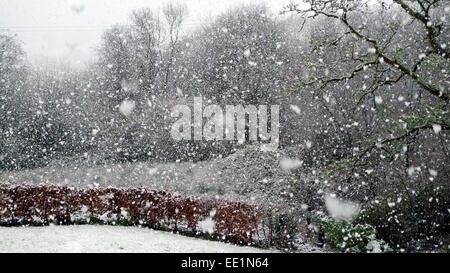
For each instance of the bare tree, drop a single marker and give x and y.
(146, 42)
(174, 14)
(12, 82)
(386, 45)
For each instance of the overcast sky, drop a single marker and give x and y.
(71, 29)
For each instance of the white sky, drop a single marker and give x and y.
(69, 30)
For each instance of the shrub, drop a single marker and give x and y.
(419, 222)
(351, 237)
(237, 221)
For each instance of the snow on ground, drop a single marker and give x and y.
(95, 238)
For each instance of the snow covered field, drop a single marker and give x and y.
(244, 175)
(94, 238)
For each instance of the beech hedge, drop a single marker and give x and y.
(45, 204)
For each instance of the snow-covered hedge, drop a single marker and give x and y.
(44, 204)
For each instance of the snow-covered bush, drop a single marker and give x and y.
(351, 237)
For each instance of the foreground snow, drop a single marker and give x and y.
(94, 238)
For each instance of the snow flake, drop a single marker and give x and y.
(295, 108)
(288, 164)
(432, 172)
(340, 209)
(308, 144)
(207, 225)
(127, 107)
(378, 100)
(437, 128)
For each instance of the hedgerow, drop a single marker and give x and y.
(53, 204)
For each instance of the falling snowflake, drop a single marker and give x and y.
(127, 107)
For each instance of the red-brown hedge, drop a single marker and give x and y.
(44, 204)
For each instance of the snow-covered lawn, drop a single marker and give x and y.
(95, 238)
